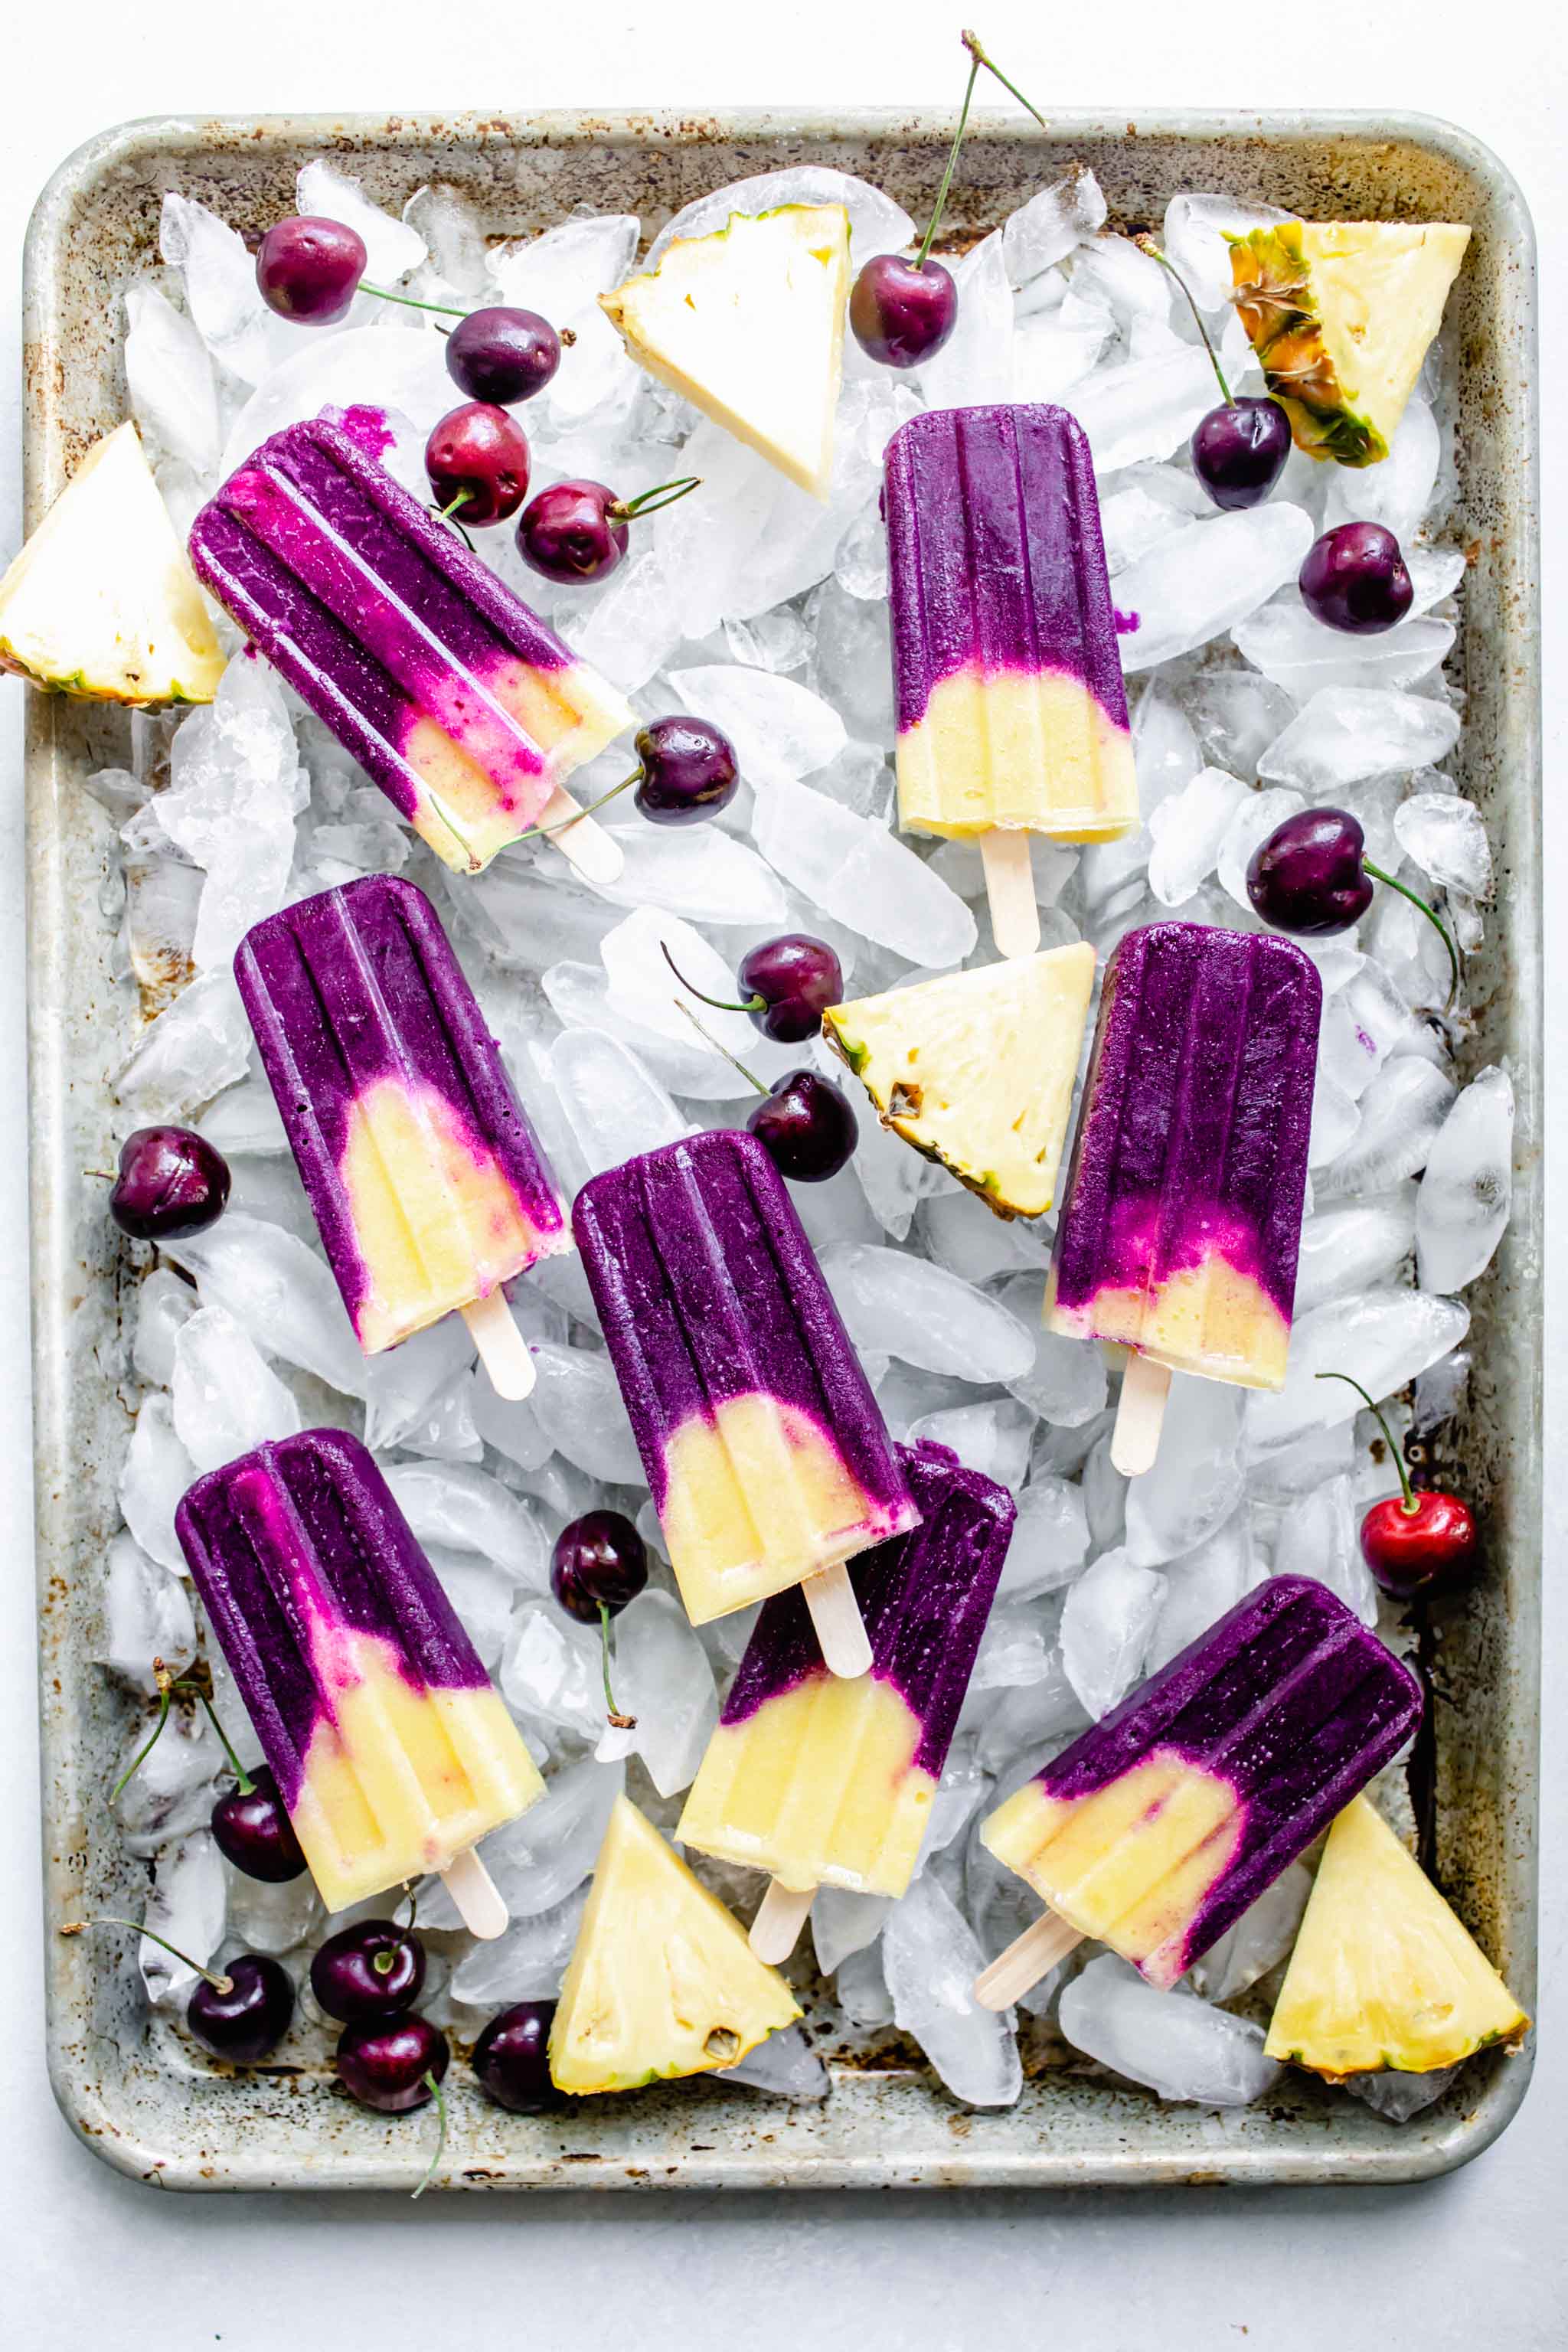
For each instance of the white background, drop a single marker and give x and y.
(94, 2261)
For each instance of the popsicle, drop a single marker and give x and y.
(827, 1782)
(765, 1452)
(465, 708)
(1154, 1831)
(1182, 1217)
(428, 1181)
(390, 1749)
(1012, 718)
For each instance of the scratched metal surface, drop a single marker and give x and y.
(136, 2092)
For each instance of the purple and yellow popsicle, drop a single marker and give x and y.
(466, 709)
(426, 1180)
(1154, 1831)
(390, 1749)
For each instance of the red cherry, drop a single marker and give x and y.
(1414, 1543)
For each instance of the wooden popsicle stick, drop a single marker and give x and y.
(1135, 1439)
(836, 1613)
(781, 1916)
(1010, 891)
(503, 1350)
(597, 854)
(481, 1904)
(1027, 1958)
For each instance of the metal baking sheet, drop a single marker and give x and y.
(130, 2086)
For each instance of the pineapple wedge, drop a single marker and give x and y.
(976, 1069)
(1384, 1975)
(1341, 313)
(101, 600)
(748, 325)
(662, 1982)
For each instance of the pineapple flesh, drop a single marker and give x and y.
(662, 1980)
(102, 601)
(976, 1069)
(1342, 314)
(1384, 1975)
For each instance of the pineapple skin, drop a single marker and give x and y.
(1273, 296)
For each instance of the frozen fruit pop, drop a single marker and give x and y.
(823, 1783)
(426, 1179)
(1155, 1830)
(765, 1454)
(1012, 717)
(390, 1749)
(1182, 1217)
(466, 710)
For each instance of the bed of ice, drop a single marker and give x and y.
(765, 612)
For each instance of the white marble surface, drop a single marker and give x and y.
(94, 2261)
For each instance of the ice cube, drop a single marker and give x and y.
(1398, 2097)
(1446, 836)
(1236, 716)
(860, 874)
(1200, 1588)
(616, 1108)
(561, 274)
(961, 1233)
(1198, 228)
(1050, 1540)
(854, 663)
(392, 248)
(1104, 1497)
(156, 1473)
(975, 364)
(1146, 409)
(991, 1438)
(1348, 732)
(1462, 1208)
(483, 1595)
(843, 1923)
(1202, 580)
(579, 1407)
(1319, 1536)
(1299, 652)
(525, 1964)
(860, 565)
(627, 629)
(221, 293)
(1259, 1940)
(169, 380)
(245, 1119)
(225, 1399)
(1065, 1381)
(453, 237)
(877, 225)
(901, 1306)
(277, 1290)
(639, 955)
(1196, 1482)
(146, 1616)
(1402, 1113)
(185, 1905)
(785, 2065)
(163, 1303)
(1179, 2046)
(662, 1676)
(193, 1049)
(1056, 217)
(1397, 493)
(169, 1791)
(1108, 1616)
(400, 371)
(537, 1860)
(780, 730)
(893, 1179)
(453, 1504)
(1354, 1246)
(551, 1672)
(1388, 1335)
(931, 1960)
(1017, 1648)
(273, 1918)
(1189, 829)
(707, 875)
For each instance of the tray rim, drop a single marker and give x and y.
(85, 2108)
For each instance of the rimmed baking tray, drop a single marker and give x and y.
(131, 2088)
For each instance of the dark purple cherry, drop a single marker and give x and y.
(243, 2014)
(789, 982)
(252, 1828)
(1312, 876)
(375, 1969)
(308, 268)
(1354, 578)
(690, 771)
(512, 2059)
(575, 532)
(392, 2063)
(901, 312)
(477, 464)
(599, 1563)
(502, 356)
(171, 1182)
(807, 1126)
(1238, 451)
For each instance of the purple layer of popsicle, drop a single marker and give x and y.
(924, 1598)
(305, 1533)
(373, 609)
(1196, 1114)
(707, 1288)
(995, 555)
(1289, 1699)
(359, 984)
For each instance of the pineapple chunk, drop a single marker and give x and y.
(1384, 1975)
(662, 1980)
(976, 1069)
(748, 324)
(1341, 313)
(101, 600)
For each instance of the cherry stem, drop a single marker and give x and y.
(108, 1919)
(1146, 245)
(439, 2098)
(450, 514)
(247, 1785)
(709, 1039)
(952, 159)
(385, 1961)
(1432, 917)
(411, 301)
(170, 1687)
(622, 1722)
(972, 43)
(648, 502)
(719, 1003)
(1409, 1504)
(534, 831)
